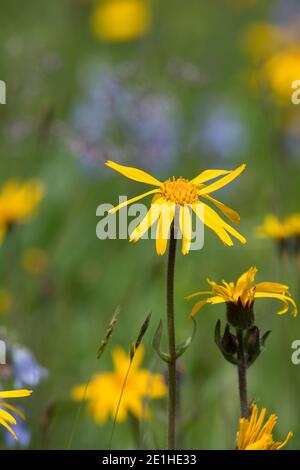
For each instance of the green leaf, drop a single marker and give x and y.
(156, 343)
(182, 347)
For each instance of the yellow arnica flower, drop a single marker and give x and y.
(6, 418)
(182, 194)
(281, 70)
(104, 390)
(256, 434)
(121, 20)
(244, 292)
(18, 201)
(276, 229)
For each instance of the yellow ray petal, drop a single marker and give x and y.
(197, 307)
(13, 409)
(133, 173)
(230, 213)
(130, 201)
(280, 445)
(15, 393)
(271, 287)
(283, 298)
(197, 294)
(213, 221)
(223, 181)
(4, 423)
(208, 175)
(163, 228)
(185, 224)
(149, 219)
(7, 417)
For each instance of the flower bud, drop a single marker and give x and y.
(229, 342)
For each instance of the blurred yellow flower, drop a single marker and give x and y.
(276, 229)
(243, 293)
(262, 39)
(104, 390)
(183, 194)
(255, 434)
(34, 260)
(18, 201)
(281, 70)
(121, 20)
(5, 301)
(7, 419)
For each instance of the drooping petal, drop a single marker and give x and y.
(13, 409)
(166, 218)
(185, 224)
(223, 181)
(149, 219)
(271, 287)
(201, 303)
(7, 417)
(133, 173)
(209, 218)
(4, 423)
(280, 445)
(283, 298)
(197, 294)
(227, 211)
(130, 201)
(208, 175)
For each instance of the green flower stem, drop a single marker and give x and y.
(172, 393)
(242, 375)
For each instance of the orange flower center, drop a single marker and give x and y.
(180, 191)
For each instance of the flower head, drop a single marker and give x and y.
(255, 434)
(281, 70)
(182, 194)
(7, 420)
(18, 201)
(121, 20)
(104, 390)
(240, 296)
(274, 228)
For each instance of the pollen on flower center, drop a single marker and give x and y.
(180, 191)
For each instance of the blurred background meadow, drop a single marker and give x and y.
(172, 88)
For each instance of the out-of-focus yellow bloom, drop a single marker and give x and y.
(263, 39)
(104, 390)
(244, 292)
(276, 229)
(6, 418)
(121, 20)
(281, 70)
(5, 301)
(256, 434)
(185, 195)
(18, 201)
(35, 260)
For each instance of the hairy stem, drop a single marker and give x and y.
(242, 375)
(172, 394)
